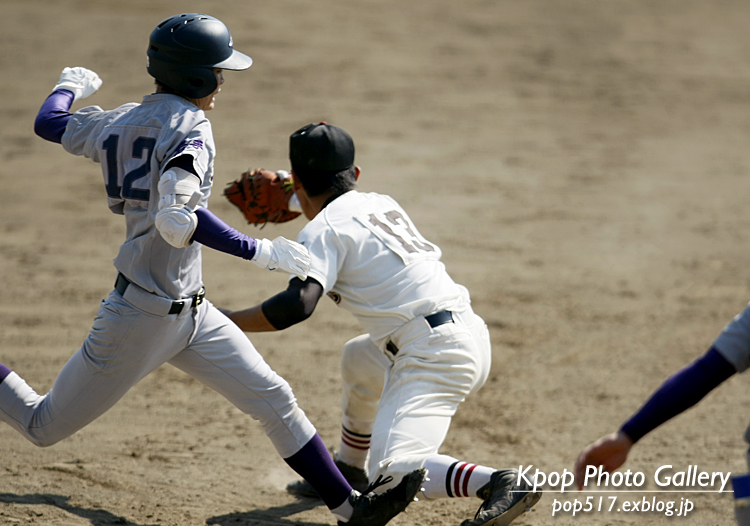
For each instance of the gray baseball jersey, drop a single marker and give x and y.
(133, 143)
(140, 327)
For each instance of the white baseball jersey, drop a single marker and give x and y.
(133, 143)
(372, 261)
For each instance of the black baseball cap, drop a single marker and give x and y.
(321, 147)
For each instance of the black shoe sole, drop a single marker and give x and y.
(514, 511)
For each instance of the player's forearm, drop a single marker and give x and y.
(251, 320)
(215, 233)
(287, 308)
(293, 305)
(53, 116)
(680, 392)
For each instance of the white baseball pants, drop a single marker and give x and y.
(407, 401)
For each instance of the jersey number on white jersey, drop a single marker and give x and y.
(119, 189)
(399, 234)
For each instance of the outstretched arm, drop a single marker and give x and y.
(680, 392)
(215, 233)
(283, 310)
(279, 254)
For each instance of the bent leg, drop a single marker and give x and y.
(118, 352)
(429, 379)
(221, 357)
(363, 371)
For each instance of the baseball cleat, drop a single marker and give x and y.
(504, 500)
(376, 509)
(356, 477)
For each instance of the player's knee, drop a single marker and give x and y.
(351, 356)
(278, 403)
(362, 362)
(349, 370)
(44, 439)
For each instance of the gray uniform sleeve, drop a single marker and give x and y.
(195, 146)
(85, 126)
(734, 341)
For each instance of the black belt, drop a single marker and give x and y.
(433, 320)
(121, 285)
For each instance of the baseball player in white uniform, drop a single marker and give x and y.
(425, 350)
(157, 160)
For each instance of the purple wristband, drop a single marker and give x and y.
(680, 392)
(53, 116)
(4, 371)
(215, 233)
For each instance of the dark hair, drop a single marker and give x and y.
(163, 88)
(318, 182)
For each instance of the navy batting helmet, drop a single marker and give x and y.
(184, 50)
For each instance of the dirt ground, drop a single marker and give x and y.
(582, 164)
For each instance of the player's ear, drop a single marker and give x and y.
(296, 184)
(357, 171)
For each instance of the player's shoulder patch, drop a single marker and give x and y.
(334, 296)
(193, 144)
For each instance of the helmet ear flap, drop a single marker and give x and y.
(201, 82)
(190, 82)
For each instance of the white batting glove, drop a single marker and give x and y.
(282, 254)
(81, 82)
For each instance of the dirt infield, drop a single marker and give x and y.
(582, 164)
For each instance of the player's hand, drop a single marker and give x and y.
(610, 451)
(283, 254)
(81, 82)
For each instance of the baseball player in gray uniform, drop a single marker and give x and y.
(157, 159)
(425, 350)
(729, 354)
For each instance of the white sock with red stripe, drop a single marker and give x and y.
(449, 477)
(355, 443)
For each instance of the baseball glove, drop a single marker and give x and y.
(262, 196)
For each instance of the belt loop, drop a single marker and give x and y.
(439, 318)
(121, 283)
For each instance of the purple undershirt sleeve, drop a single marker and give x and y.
(215, 233)
(53, 116)
(680, 392)
(4, 371)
